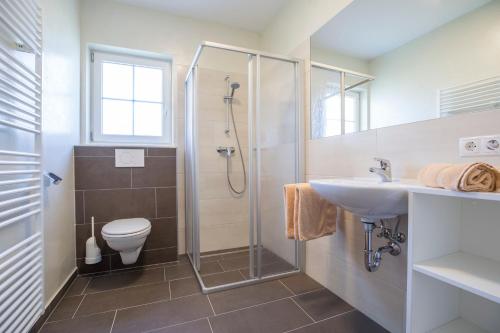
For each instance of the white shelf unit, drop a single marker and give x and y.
(453, 262)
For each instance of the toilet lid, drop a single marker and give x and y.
(126, 226)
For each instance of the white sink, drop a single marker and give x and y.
(367, 198)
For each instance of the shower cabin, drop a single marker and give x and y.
(243, 133)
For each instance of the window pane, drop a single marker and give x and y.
(333, 127)
(350, 108)
(148, 119)
(350, 127)
(148, 85)
(332, 106)
(116, 117)
(117, 81)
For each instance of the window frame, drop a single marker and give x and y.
(98, 57)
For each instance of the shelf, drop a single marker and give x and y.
(491, 196)
(458, 326)
(474, 274)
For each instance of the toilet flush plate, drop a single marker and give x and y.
(129, 158)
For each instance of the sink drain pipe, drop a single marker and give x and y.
(373, 259)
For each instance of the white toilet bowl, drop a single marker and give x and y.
(127, 236)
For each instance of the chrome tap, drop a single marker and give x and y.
(384, 171)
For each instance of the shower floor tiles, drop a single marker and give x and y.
(167, 299)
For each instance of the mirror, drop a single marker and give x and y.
(388, 62)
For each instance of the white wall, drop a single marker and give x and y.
(463, 51)
(60, 108)
(296, 22)
(110, 23)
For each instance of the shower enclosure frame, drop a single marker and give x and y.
(192, 165)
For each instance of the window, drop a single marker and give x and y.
(131, 99)
(333, 114)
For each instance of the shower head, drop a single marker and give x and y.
(234, 86)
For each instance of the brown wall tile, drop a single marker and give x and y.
(102, 266)
(100, 173)
(163, 234)
(83, 232)
(108, 205)
(161, 151)
(166, 202)
(148, 257)
(94, 151)
(157, 172)
(79, 211)
(110, 193)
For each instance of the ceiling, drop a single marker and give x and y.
(253, 15)
(367, 28)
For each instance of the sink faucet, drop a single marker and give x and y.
(384, 171)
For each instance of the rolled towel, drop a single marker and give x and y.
(307, 215)
(474, 177)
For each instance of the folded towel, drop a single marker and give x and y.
(307, 215)
(474, 177)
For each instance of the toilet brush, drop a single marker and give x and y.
(93, 252)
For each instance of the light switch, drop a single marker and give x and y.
(129, 158)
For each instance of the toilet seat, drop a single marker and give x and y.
(126, 228)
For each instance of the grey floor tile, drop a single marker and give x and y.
(352, 322)
(301, 283)
(122, 298)
(279, 266)
(98, 323)
(322, 304)
(66, 308)
(125, 279)
(198, 326)
(211, 258)
(78, 286)
(162, 314)
(210, 268)
(238, 298)
(222, 278)
(278, 316)
(235, 263)
(178, 271)
(184, 287)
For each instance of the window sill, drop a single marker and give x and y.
(125, 144)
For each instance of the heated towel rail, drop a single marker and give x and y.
(21, 231)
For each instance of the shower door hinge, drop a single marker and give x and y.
(91, 135)
(91, 56)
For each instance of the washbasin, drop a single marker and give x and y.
(368, 198)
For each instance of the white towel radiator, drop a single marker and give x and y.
(21, 231)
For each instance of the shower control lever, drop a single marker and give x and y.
(226, 151)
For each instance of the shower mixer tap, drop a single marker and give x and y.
(227, 151)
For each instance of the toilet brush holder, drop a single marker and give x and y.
(92, 251)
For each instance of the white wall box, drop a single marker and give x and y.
(453, 262)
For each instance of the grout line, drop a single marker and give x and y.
(156, 203)
(184, 296)
(210, 324)
(210, 302)
(78, 307)
(84, 316)
(242, 275)
(127, 287)
(86, 286)
(173, 325)
(164, 275)
(56, 306)
(286, 287)
(113, 323)
(83, 203)
(305, 312)
(322, 320)
(169, 290)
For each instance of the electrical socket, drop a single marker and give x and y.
(469, 146)
(490, 145)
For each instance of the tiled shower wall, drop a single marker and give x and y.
(109, 193)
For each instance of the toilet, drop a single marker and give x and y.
(127, 236)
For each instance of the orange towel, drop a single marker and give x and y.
(307, 215)
(474, 177)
